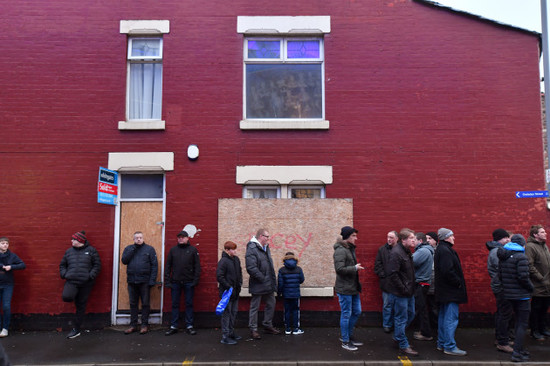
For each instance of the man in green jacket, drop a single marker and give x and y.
(347, 286)
(539, 271)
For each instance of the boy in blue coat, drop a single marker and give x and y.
(289, 279)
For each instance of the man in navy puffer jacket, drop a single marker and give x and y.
(516, 288)
(289, 279)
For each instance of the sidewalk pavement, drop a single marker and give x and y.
(317, 346)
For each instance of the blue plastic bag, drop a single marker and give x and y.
(223, 302)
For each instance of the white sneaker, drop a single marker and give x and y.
(4, 333)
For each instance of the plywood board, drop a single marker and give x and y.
(307, 227)
(144, 217)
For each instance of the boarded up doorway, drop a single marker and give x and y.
(141, 209)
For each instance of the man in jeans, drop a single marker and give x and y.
(380, 268)
(182, 273)
(401, 288)
(450, 291)
(347, 286)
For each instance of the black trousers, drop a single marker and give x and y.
(539, 307)
(78, 294)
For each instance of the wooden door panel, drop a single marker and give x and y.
(144, 217)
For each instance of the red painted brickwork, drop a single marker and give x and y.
(435, 121)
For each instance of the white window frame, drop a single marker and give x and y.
(320, 188)
(246, 188)
(284, 28)
(136, 29)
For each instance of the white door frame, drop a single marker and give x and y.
(124, 319)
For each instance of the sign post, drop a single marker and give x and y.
(107, 186)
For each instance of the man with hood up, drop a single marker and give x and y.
(262, 284)
(516, 288)
(503, 315)
(347, 286)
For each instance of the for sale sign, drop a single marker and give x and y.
(107, 186)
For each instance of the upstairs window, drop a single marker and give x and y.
(144, 78)
(284, 78)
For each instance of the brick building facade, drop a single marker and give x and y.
(423, 117)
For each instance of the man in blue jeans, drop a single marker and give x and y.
(347, 286)
(182, 273)
(450, 291)
(402, 287)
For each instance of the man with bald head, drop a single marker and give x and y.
(380, 268)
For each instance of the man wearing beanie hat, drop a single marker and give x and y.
(79, 268)
(182, 273)
(347, 285)
(504, 313)
(450, 291)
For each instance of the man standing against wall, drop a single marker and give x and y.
(347, 286)
(504, 313)
(423, 259)
(141, 273)
(539, 270)
(380, 268)
(182, 272)
(262, 283)
(450, 291)
(401, 288)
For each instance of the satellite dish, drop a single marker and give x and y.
(191, 230)
(193, 152)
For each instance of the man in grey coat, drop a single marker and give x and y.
(262, 283)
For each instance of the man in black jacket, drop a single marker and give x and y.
(380, 268)
(401, 287)
(450, 291)
(141, 273)
(182, 272)
(262, 283)
(79, 267)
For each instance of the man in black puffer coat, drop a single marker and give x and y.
(79, 267)
(516, 288)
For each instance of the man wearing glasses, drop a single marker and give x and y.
(262, 283)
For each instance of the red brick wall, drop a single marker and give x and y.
(435, 121)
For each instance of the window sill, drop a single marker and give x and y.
(304, 292)
(255, 124)
(142, 125)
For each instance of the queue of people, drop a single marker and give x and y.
(420, 276)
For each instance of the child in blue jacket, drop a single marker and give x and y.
(289, 279)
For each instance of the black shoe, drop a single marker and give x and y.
(191, 331)
(228, 341)
(73, 333)
(545, 333)
(519, 357)
(537, 336)
(387, 330)
(171, 331)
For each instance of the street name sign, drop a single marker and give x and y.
(531, 194)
